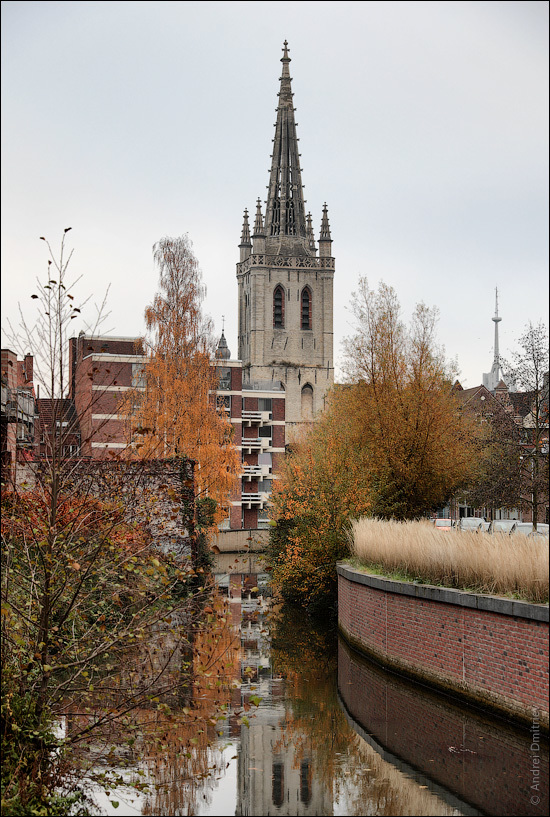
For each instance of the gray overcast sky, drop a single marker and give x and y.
(424, 126)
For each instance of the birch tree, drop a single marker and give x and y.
(176, 415)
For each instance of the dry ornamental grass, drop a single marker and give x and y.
(499, 564)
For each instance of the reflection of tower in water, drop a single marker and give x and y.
(275, 774)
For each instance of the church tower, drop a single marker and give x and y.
(285, 331)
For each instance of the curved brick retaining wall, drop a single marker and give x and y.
(476, 764)
(488, 650)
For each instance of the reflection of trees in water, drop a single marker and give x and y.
(325, 746)
(183, 757)
(170, 743)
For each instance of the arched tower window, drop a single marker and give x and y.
(305, 311)
(279, 308)
(307, 402)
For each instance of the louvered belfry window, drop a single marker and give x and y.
(279, 308)
(306, 308)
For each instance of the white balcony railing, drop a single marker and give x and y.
(256, 444)
(254, 500)
(251, 472)
(256, 418)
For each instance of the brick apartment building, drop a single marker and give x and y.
(18, 414)
(257, 414)
(102, 370)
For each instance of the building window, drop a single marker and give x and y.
(138, 376)
(279, 308)
(225, 378)
(306, 308)
(223, 402)
(264, 403)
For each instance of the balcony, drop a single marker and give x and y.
(5, 398)
(251, 472)
(254, 500)
(256, 418)
(256, 444)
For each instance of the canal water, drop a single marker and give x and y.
(285, 719)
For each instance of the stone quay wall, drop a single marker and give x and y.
(487, 650)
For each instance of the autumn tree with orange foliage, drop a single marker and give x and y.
(322, 486)
(415, 441)
(175, 414)
(393, 443)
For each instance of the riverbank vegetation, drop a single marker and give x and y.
(100, 616)
(96, 623)
(499, 564)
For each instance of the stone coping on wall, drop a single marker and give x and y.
(447, 595)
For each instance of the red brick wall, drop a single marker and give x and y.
(112, 373)
(237, 433)
(101, 345)
(236, 406)
(235, 517)
(498, 658)
(250, 519)
(108, 402)
(278, 440)
(484, 761)
(236, 380)
(278, 408)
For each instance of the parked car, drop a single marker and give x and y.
(502, 525)
(472, 523)
(528, 530)
(443, 524)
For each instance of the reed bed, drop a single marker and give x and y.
(498, 564)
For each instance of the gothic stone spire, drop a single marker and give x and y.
(246, 245)
(285, 212)
(310, 233)
(325, 239)
(245, 235)
(258, 223)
